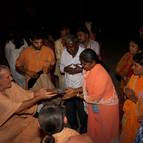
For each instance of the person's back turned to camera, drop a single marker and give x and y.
(52, 121)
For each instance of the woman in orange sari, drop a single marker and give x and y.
(101, 100)
(133, 109)
(124, 69)
(124, 66)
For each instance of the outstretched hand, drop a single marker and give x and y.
(44, 93)
(69, 93)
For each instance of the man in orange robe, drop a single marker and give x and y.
(34, 59)
(17, 109)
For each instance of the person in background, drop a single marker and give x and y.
(49, 41)
(17, 110)
(124, 66)
(59, 48)
(85, 41)
(92, 34)
(12, 50)
(133, 105)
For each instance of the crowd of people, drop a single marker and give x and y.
(60, 91)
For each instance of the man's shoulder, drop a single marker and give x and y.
(15, 85)
(65, 52)
(94, 42)
(13, 88)
(81, 48)
(47, 50)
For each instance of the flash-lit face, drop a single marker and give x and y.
(64, 32)
(82, 37)
(87, 65)
(133, 47)
(71, 47)
(137, 69)
(5, 79)
(37, 43)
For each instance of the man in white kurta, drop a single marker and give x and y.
(86, 42)
(70, 66)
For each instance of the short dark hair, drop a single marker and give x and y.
(36, 35)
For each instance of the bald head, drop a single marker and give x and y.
(5, 77)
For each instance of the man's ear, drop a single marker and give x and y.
(65, 120)
(39, 125)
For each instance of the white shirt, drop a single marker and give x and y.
(75, 80)
(8, 47)
(94, 45)
(12, 54)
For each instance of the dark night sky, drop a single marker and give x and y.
(114, 18)
(110, 16)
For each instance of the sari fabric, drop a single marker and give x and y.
(130, 123)
(103, 125)
(124, 65)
